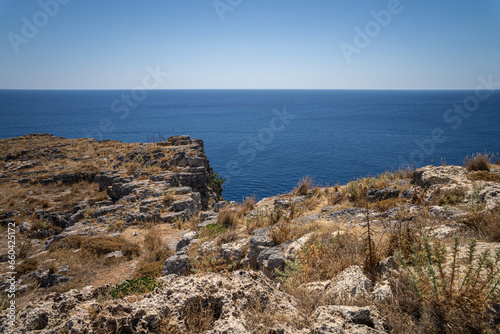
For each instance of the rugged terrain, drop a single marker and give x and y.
(134, 238)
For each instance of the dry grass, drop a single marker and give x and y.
(384, 205)
(484, 176)
(485, 224)
(155, 251)
(478, 161)
(228, 217)
(104, 245)
(326, 255)
(304, 186)
(453, 196)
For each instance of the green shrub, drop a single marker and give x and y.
(134, 287)
(215, 182)
(211, 231)
(432, 279)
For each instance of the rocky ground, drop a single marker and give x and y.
(131, 238)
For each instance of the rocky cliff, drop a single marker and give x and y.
(129, 238)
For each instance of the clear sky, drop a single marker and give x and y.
(298, 44)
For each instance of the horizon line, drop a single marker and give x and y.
(172, 89)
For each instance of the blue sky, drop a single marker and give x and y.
(288, 44)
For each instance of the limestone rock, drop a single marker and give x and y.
(259, 241)
(348, 319)
(176, 264)
(382, 194)
(351, 284)
(429, 176)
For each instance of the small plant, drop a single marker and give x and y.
(4, 301)
(169, 198)
(430, 280)
(304, 186)
(228, 217)
(452, 196)
(211, 231)
(215, 182)
(88, 212)
(478, 161)
(134, 287)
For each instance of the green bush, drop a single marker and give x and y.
(215, 182)
(134, 287)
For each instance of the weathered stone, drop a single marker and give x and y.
(219, 206)
(24, 227)
(176, 264)
(233, 251)
(47, 279)
(447, 230)
(382, 194)
(105, 210)
(76, 217)
(350, 284)
(271, 259)
(446, 212)
(490, 195)
(348, 319)
(387, 266)
(382, 292)
(187, 238)
(259, 241)
(429, 176)
(115, 255)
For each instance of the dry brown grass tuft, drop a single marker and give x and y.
(452, 196)
(326, 255)
(26, 267)
(104, 245)
(304, 185)
(484, 176)
(485, 224)
(155, 251)
(478, 161)
(247, 205)
(228, 217)
(387, 204)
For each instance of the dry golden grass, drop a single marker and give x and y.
(305, 184)
(478, 161)
(155, 252)
(483, 176)
(384, 205)
(485, 224)
(452, 196)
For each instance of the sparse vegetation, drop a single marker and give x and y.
(478, 161)
(134, 287)
(216, 183)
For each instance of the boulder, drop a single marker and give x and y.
(259, 241)
(429, 176)
(47, 278)
(490, 196)
(348, 319)
(271, 259)
(176, 264)
(382, 194)
(350, 284)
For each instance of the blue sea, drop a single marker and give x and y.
(264, 141)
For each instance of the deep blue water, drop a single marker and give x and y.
(331, 135)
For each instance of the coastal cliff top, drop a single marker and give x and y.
(135, 238)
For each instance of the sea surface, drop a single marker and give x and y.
(264, 141)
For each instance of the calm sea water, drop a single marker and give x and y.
(264, 141)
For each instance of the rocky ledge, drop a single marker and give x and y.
(131, 238)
